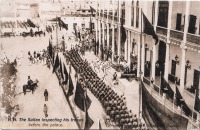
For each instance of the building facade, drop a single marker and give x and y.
(175, 56)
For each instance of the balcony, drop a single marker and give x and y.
(176, 34)
(193, 38)
(161, 30)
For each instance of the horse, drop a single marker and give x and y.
(39, 33)
(31, 87)
(25, 34)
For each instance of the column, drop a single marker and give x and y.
(143, 55)
(103, 41)
(99, 38)
(126, 47)
(168, 42)
(108, 9)
(135, 8)
(113, 1)
(182, 84)
(99, 10)
(167, 62)
(129, 47)
(119, 30)
(183, 46)
(108, 36)
(113, 41)
(154, 59)
(119, 41)
(139, 55)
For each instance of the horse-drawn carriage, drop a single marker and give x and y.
(32, 86)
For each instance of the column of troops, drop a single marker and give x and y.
(113, 104)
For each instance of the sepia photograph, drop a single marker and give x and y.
(100, 64)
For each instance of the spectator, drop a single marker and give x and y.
(45, 110)
(46, 95)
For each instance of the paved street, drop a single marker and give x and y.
(31, 105)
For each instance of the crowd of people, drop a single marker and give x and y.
(113, 104)
(39, 56)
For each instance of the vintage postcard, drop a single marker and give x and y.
(99, 64)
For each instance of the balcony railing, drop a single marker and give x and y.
(176, 34)
(193, 38)
(161, 30)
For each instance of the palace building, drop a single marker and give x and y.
(175, 56)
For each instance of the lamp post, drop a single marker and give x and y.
(177, 63)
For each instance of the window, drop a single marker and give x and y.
(137, 14)
(163, 13)
(132, 16)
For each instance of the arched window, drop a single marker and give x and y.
(163, 13)
(137, 14)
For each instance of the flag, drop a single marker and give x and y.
(197, 103)
(66, 73)
(165, 88)
(53, 56)
(148, 28)
(80, 97)
(92, 10)
(50, 48)
(61, 71)
(180, 101)
(71, 86)
(123, 31)
(179, 98)
(56, 64)
(88, 121)
(100, 128)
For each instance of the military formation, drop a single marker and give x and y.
(113, 104)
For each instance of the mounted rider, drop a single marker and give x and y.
(29, 81)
